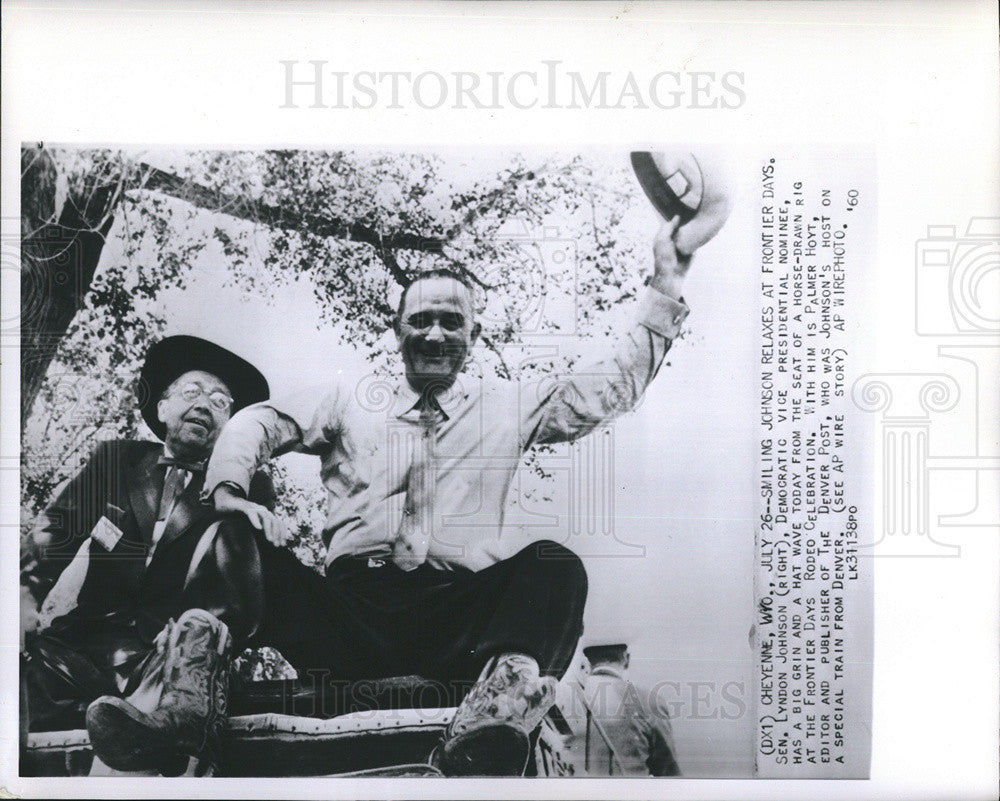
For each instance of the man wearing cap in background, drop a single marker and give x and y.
(162, 589)
(629, 722)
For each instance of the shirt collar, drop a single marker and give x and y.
(168, 458)
(408, 400)
(607, 670)
(406, 397)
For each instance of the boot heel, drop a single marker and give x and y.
(191, 713)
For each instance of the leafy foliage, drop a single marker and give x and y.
(330, 220)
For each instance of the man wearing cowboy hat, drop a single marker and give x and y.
(162, 587)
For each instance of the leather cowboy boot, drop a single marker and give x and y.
(191, 711)
(489, 734)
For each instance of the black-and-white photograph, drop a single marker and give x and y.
(432, 463)
(499, 400)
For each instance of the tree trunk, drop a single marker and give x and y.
(58, 260)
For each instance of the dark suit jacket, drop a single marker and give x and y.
(123, 483)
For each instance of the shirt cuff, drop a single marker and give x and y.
(661, 314)
(209, 490)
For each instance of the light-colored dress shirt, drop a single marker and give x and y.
(366, 434)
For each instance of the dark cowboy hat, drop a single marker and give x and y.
(173, 356)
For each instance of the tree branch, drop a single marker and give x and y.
(389, 259)
(245, 208)
(487, 203)
(471, 275)
(503, 363)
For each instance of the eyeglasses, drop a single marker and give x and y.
(218, 400)
(449, 321)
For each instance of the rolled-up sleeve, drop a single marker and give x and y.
(661, 314)
(601, 389)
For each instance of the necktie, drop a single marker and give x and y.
(173, 486)
(416, 528)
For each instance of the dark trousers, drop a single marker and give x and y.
(368, 619)
(357, 622)
(84, 656)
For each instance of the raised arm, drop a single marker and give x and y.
(602, 389)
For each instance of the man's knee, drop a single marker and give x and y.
(225, 576)
(235, 528)
(558, 564)
(228, 540)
